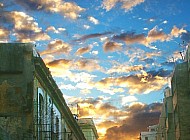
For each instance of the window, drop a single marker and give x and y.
(146, 138)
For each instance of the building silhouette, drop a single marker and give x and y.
(32, 106)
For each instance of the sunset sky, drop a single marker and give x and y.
(111, 57)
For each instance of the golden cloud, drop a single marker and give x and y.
(127, 122)
(57, 47)
(88, 65)
(125, 69)
(83, 50)
(141, 83)
(4, 34)
(25, 28)
(176, 31)
(154, 35)
(61, 62)
(112, 46)
(127, 5)
(68, 9)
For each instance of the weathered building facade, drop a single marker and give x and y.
(174, 121)
(181, 101)
(31, 104)
(88, 128)
(166, 125)
(151, 134)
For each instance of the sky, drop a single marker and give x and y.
(112, 58)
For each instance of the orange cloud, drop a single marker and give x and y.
(68, 9)
(140, 83)
(112, 46)
(176, 31)
(57, 47)
(114, 123)
(81, 51)
(88, 65)
(25, 28)
(125, 68)
(4, 34)
(154, 35)
(127, 5)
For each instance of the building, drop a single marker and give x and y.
(166, 121)
(174, 123)
(181, 101)
(151, 134)
(32, 106)
(88, 128)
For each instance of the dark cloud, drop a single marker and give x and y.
(140, 117)
(29, 4)
(130, 38)
(86, 37)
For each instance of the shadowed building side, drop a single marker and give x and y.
(32, 105)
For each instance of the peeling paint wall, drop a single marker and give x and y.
(16, 86)
(31, 105)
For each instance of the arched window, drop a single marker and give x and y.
(40, 117)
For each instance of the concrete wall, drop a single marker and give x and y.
(181, 91)
(16, 92)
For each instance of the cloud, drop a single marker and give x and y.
(130, 38)
(165, 22)
(86, 26)
(139, 83)
(86, 37)
(85, 91)
(93, 20)
(126, 122)
(153, 35)
(53, 29)
(57, 47)
(112, 46)
(123, 68)
(4, 34)
(83, 50)
(60, 62)
(60, 68)
(24, 27)
(94, 52)
(66, 86)
(128, 99)
(176, 31)
(1, 5)
(127, 5)
(140, 117)
(88, 65)
(68, 9)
